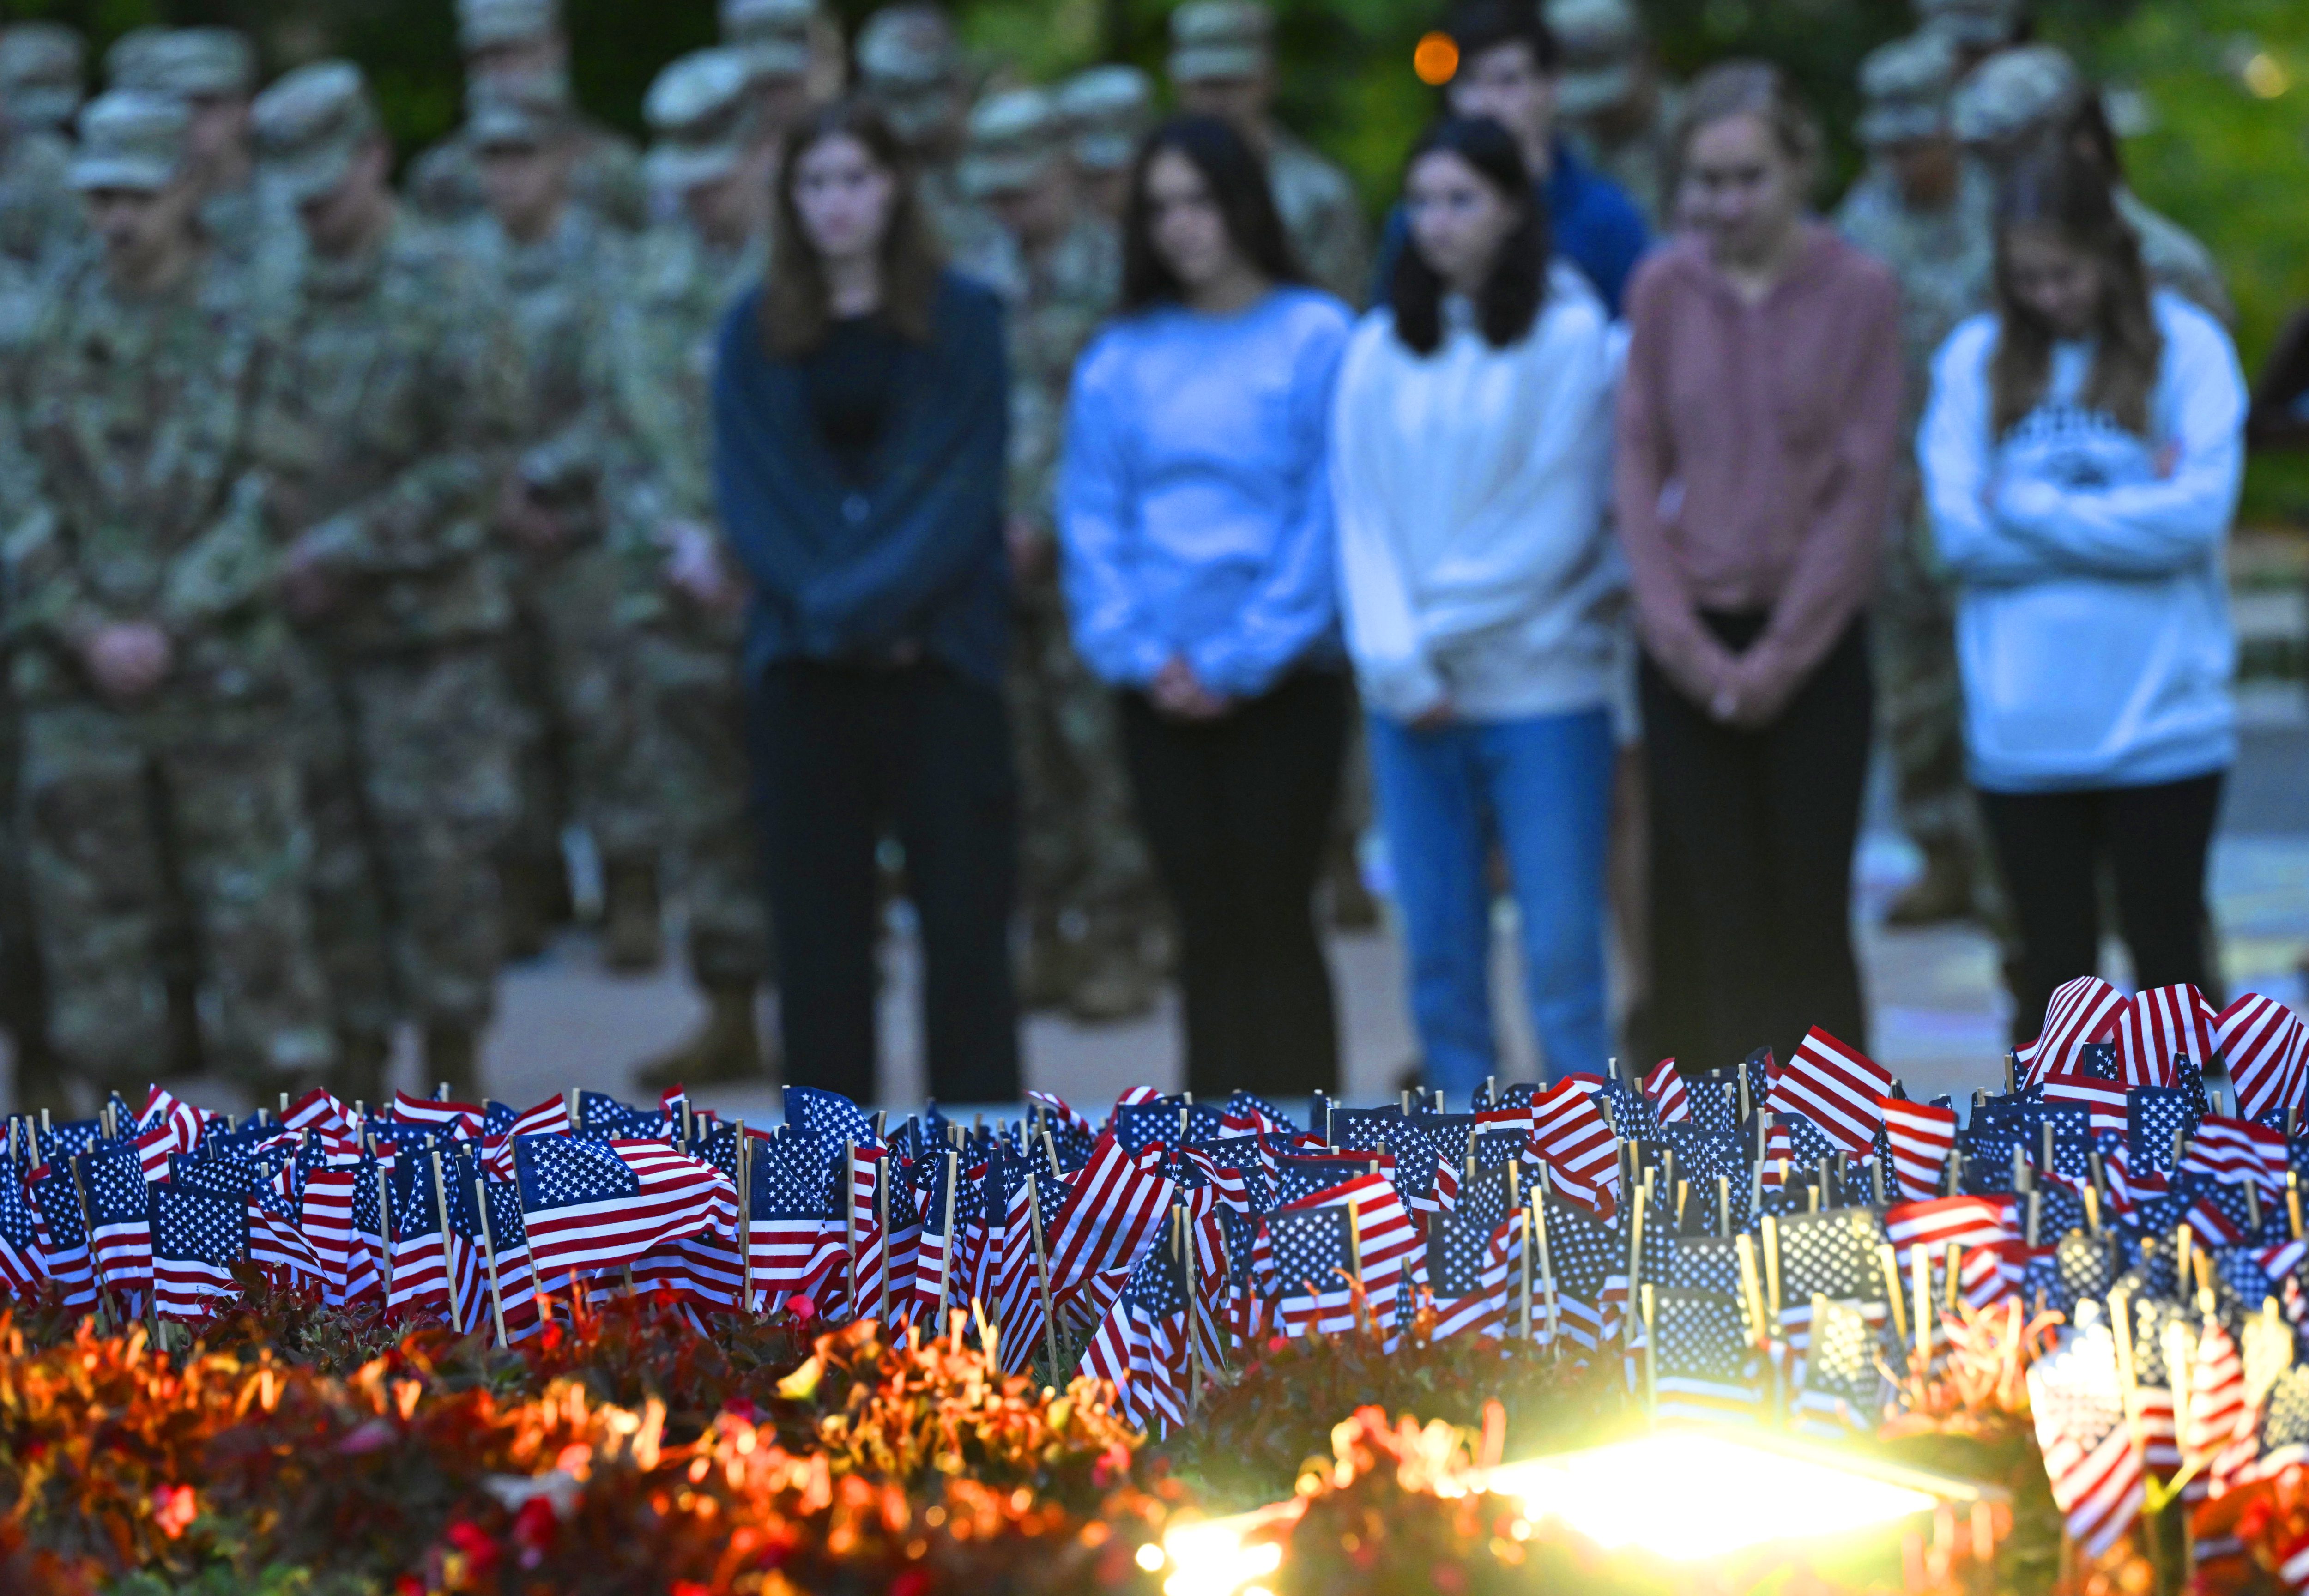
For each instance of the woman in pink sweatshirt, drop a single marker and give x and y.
(1757, 422)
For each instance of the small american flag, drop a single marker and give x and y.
(1837, 1087)
(1920, 1137)
(2080, 1428)
(795, 1232)
(2267, 1049)
(548, 1118)
(2078, 1012)
(120, 1213)
(2157, 1027)
(1664, 1089)
(2105, 1102)
(1703, 1365)
(600, 1205)
(462, 1120)
(1467, 1271)
(1968, 1222)
(1313, 1264)
(197, 1236)
(1115, 1206)
(1842, 1390)
(2155, 1115)
(2237, 1149)
(1567, 1128)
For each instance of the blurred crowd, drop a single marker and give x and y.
(900, 480)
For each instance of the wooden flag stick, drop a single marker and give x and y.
(1751, 1291)
(1514, 1201)
(1888, 1262)
(882, 1217)
(1724, 1203)
(1356, 1259)
(1536, 1224)
(88, 1230)
(1954, 1258)
(1194, 1341)
(1051, 1150)
(850, 1217)
(1042, 1271)
(744, 1160)
(2293, 1201)
(946, 1254)
(1649, 1300)
(490, 1260)
(1920, 1272)
(441, 1199)
(2253, 1205)
(1635, 1263)
(1769, 1237)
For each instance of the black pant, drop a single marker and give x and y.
(1755, 831)
(842, 753)
(2050, 847)
(1237, 812)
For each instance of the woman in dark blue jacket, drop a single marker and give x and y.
(860, 400)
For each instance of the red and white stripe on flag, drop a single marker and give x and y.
(2104, 1102)
(1664, 1089)
(1568, 1127)
(1921, 1137)
(1836, 1087)
(2077, 1013)
(548, 1119)
(2237, 1151)
(2158, 1025)
(2267, 1050)
(1970, 1223)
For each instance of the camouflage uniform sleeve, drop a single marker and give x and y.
(435, 511)
(231, 564)
(46, 595)
(616, 188)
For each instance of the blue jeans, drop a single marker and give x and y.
(1542, 788)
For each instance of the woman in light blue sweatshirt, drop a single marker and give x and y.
(2082, 453)
(1194, 519)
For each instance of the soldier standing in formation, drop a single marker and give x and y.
(1088, 887)
(152, 667)
(1927, 212)
(1977, 28)
(387, 429)
(1106, 110)
(714, 153)
(516, 40)
(1613, 100)
(41, 217)
(1222, 66)
(775, 37)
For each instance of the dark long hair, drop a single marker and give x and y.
(1237, 179)
(1517, 284)
(796, 303)
(2057, 188)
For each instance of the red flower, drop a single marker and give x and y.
(480, 1550)
(801, 1307)
(688, 1587)
(173, 1509)
(911, 1581)
(534, 1524)
(409, 1585)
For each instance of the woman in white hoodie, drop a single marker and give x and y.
(1469, 461)
(2081, 453)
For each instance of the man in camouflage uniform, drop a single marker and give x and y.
(152, 662)
(682, 602)
(1977, 28)
(2016, 97)
(388, 427)
(1106, 110)
(1928, 213)
(557, 269)
(774, 36)
(523, 39)
(40, 218)
(1088, 885)
(910, 64)
(1613, 101)
(1223, 65)
(214, 71)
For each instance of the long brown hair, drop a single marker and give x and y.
(797, 306)
(2062, 192)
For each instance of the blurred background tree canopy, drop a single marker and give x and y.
(2213, 95)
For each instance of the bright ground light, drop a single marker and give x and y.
(1686, 1495)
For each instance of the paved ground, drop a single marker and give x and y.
(1938, 1015)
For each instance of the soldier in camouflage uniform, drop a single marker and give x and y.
(1106, 110)
(1977, 28)
(388, 427)
(524, 39)
(2019, 97)
(1613, 100)
(684, 604)
(1223, 65)
(152, 662)
(1928, 213)
(774, 36)
(558, 269)
(910, 64)
(40, 218)
(214, 71)
(1089, 886)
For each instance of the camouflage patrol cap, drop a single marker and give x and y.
(1602, 40)
(2015, 93)
(1013, 140)
(190, 62)
(907, 48)
(1220, 38)
(701, 110)
(1905, 84)
(484, 24)
(130, 138)
(1978, 24)
(775, 34)
(516, 110)
(310, 124)
(40, 68)
(1106, 110)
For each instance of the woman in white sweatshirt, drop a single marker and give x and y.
(1469, 461)
(2082, 451)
